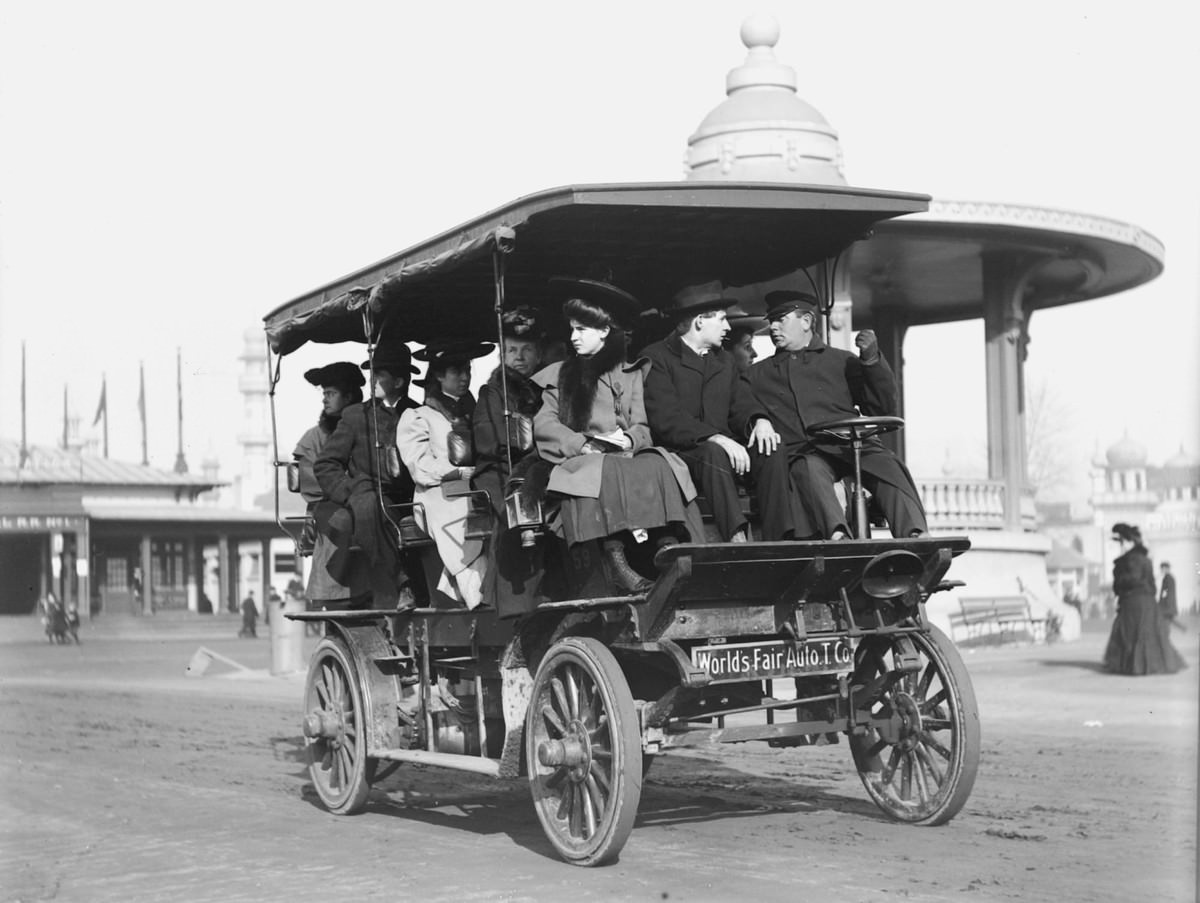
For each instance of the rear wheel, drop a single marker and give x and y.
(584, 751)
(918, 762)
(335, 735)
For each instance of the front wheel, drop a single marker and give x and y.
(584, 750)
(919, 758)
(335, 730)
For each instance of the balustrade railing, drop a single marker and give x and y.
(958, 503)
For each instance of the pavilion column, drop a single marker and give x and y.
(1006, 333)
(191, 574)
(147, 578)
(224, 574)
(890, 327)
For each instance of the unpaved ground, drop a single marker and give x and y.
(124, 780)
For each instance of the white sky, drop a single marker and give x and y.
(169, 172)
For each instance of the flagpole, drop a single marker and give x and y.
(142, 409)
(24, 442)
(180, 461)
(104, 397)
(64, 438)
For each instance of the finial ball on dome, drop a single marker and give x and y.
(760, 30)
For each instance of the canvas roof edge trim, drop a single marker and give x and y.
(291, 325)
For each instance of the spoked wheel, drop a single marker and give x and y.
(584, 751)
(919, 764)
(335, 734)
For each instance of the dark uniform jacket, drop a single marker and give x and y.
(800, 388)
(690, 397)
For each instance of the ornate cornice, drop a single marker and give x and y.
(1021, 216)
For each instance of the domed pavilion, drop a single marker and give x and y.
(963, 259)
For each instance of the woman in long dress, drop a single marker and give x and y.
(1139, 642)
(592, 427)
(423, 438)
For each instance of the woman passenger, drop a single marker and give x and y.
(424, 437)
(521, 357)
(592, 427)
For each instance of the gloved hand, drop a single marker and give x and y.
(868, 346)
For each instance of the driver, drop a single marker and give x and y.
(805, 382)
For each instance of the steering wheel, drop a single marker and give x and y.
(849, 429)
(852, 431)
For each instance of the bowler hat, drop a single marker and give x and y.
(342, 374)
(394, 358)
(782, 302)
(618, 304)
(697, 299)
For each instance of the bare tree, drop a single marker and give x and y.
(1049, 422)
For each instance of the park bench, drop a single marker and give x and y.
(1001, 617)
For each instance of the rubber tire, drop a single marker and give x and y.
(339, 768)
(942, 669)
(604, 710)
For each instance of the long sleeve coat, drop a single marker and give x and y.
(421, 437)
(690, 398)
(619, 405)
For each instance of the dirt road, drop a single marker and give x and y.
(124, 780)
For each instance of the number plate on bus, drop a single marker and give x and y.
(762, 661)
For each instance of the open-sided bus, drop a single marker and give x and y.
(579, 687)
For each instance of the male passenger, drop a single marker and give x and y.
(700, 406)
(352, 469)
(806, 382)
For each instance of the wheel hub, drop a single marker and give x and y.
(573, 751)
(322, 724)
(908, 713)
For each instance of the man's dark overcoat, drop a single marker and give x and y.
(818, 383)
(352, 461)
(691, 397)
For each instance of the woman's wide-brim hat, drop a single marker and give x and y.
(1127, 532)
(739, 318)
(617, 303)
(453, 353)
(395, 359)
(523, 323)
(441, 357)
(340, 375)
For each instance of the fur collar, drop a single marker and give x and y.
(579, 378)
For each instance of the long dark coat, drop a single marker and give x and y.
(818, 383)
(491, 434)
(1139, 642)
(687, 401)
(351, 463)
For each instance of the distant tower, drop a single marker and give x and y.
(255, 434)
(762, 131)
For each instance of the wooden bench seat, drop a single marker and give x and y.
(1002, 617)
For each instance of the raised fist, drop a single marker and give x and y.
(868, 346)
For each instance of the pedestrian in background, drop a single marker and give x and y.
(249, 617)
(1139, 643)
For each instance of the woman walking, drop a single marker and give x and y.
(1139, 643)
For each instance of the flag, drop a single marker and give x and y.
(102, 407)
